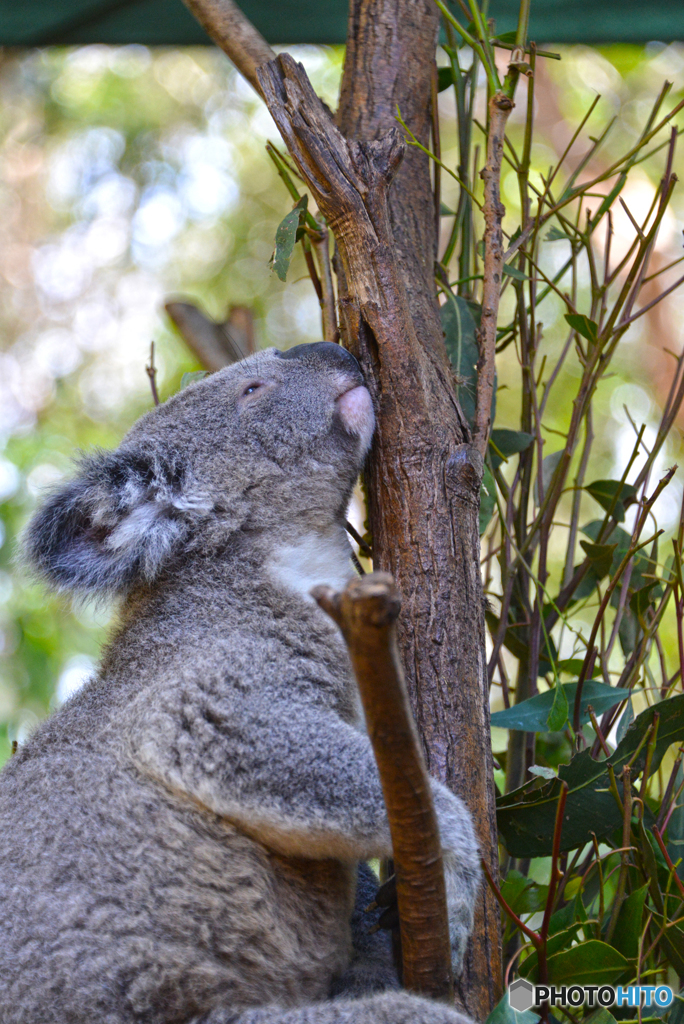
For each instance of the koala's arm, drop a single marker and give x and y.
(298, 779)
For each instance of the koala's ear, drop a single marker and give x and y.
(118, 522)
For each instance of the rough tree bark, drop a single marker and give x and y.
(424, 474)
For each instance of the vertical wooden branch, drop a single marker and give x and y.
(366, 612)
(215, 345)
(500, 106)
(321, 243)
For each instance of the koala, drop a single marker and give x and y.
(184, 841)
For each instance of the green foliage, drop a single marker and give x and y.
(585, 614)
(290, 230)
(532, 715)
(526, 816)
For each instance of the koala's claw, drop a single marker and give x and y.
(385, 899)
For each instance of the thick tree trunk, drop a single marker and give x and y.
(424, 476)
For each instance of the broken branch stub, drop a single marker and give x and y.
(366, 612)
(349, 179)
(215, 345)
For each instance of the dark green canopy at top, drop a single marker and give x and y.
(168, 23)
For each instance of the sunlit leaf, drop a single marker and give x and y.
(542, 771)
(192, 378)
(558, 715)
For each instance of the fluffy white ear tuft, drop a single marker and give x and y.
(117, 523)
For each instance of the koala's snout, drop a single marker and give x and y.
(353, 403)
(323, 352)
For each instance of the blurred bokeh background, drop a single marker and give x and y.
(128, 175)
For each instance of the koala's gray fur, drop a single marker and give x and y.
(179, 844)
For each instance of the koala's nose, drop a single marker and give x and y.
(334, 356)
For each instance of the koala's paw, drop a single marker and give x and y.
(462, 884)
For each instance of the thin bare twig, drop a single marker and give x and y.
(151, 371)
(500, 107)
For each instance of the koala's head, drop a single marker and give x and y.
(276, 440)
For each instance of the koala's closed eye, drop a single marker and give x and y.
(251, 388)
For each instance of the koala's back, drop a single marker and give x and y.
(122, 900)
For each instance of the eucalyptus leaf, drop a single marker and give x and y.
(600, 556)
(516, 640)
(584, 326)
(612, 494)
(589, 963)
(532, 715)
(445, 79)
(629, 923)
(558, 715)
(507, 37)
(675, 828)
(523, 895)
(286, 237)
(549, 464)
(460, 338)
(626, 719)
(602, 1016)
(554, 944)
(513, 272)
(503, 1013)
(556, 235)
(542, 771)
(504, 443)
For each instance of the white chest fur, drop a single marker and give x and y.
(313, 559)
